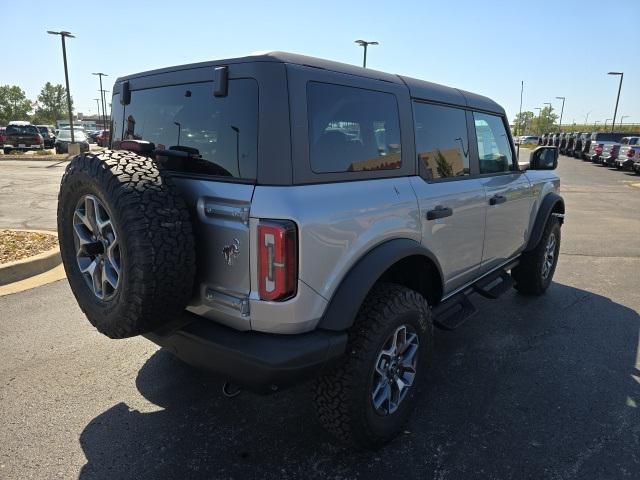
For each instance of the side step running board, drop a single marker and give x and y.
(493, 287)
(454, 311)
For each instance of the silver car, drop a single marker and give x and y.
(280, 218)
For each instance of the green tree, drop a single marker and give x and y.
(52, 104)
(14, 104)
(521, 122)
(545, 121)
(443, 167)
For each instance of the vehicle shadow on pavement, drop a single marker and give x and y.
(528, 388)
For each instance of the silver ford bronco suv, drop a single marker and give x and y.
(279, 218)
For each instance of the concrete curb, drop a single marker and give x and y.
(50, 158)
(28, 267)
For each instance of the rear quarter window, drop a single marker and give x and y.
(352, 129)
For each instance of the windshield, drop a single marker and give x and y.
(66, 135)
(21, 130)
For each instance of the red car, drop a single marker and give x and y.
(3, 135)
(103, 138)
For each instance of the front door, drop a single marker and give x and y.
(508, 192)
(452, 202)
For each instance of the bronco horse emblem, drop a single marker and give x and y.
(231, 251)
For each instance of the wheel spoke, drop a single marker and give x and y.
(97, 248)
(382, 394)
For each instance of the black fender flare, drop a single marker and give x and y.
(356, 284)
(547, 206)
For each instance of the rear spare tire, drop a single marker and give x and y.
(126, 242)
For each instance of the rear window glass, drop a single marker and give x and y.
(352, 129)
(192, 130)
(21, 130)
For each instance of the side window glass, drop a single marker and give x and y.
(494, 149)
(352, 129)
(441, 140)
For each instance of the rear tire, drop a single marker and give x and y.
(126, 242)
(345, 396)
(535, 271)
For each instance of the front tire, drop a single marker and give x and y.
(367, 399)
(535, 271)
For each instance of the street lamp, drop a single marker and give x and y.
(98, 104)
(595, 123)
(103, 94)
(613, 124)
(365, 44)
(561, 112)
(538, 130)
(104, 114)
(64, 34)
(605, 122)
(622, 117)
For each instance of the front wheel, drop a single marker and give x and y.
(368, 398)
(535, 271)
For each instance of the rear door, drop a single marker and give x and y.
(450, 196)
(507, 190)
(210, 146)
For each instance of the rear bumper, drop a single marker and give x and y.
(261, 362)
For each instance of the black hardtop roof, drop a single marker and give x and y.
(418, 88)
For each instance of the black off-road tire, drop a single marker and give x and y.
(343, 395)
(527, 274)
(154, 235)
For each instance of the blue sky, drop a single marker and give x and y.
(486, 47)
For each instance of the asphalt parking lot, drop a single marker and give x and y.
(529, 388)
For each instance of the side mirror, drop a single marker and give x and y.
(544, 158)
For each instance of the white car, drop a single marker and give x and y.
(529, 140)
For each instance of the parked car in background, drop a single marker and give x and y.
(563, 142)
(22, 136)
(47, 135)
(529, 140)
(571, 139)
(3, 135)
(102, 138)
(64, 139)
(556, 140)
(594, 146)
(609, 153)
(578, 143)
(543, 139)
(629, 153)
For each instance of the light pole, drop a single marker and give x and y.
(550, 109)
(64, 34)
(538, 130)
(520, 114)
(605, 123)
(622, 117)
(595, 123)
(586, 118)
(365, 44)
(103, 93)
(98, 104)
(561, 112)
(104, 114)
(613, 124)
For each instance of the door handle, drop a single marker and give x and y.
(439, 212)
(497, 199)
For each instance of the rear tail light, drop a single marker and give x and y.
(631, 153)
(38, 138)
(599, 149)
(277, 260)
